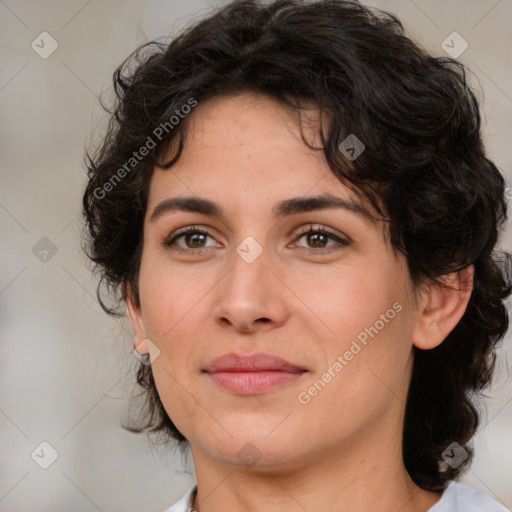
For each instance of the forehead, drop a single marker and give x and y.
(250, 131)
(248, 141)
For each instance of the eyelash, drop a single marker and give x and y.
(320, 230)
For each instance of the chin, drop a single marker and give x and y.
(256, 449)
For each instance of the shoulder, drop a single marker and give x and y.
(185, 504)
(456, 498)
(461, 498)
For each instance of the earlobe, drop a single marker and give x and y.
(441, 307)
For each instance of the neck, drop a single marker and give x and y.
(365, 473)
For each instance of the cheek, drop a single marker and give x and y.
(370, 325)
(346, 301)
(171, 309)
(169, 298)
(378, 330)
(368, 381)
(174, 392)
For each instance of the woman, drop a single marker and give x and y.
(294, 202)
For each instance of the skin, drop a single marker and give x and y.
(342, 450)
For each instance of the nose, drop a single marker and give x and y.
(252, 296)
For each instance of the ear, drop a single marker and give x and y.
(440, 308)
(136, 321)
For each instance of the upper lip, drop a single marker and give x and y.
(251, 363)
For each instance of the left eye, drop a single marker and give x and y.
(319, 238)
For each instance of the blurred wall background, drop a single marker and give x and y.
(66, 369)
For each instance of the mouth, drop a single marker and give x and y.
(252, 374)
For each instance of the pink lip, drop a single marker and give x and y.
(254, 374)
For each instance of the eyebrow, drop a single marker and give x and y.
(281, 209)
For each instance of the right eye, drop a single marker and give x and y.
(189, 239)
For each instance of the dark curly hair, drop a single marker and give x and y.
(424, 170)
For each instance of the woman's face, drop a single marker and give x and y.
(337, 305)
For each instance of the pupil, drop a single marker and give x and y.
(315, 239)
(194, 237)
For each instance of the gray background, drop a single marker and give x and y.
(66, 369)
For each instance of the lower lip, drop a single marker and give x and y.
(253, 383)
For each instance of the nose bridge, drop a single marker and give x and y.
(248, 269)
(248, 293)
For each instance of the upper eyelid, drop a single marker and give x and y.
(306, 228)
(297, 231)
(187, 230)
